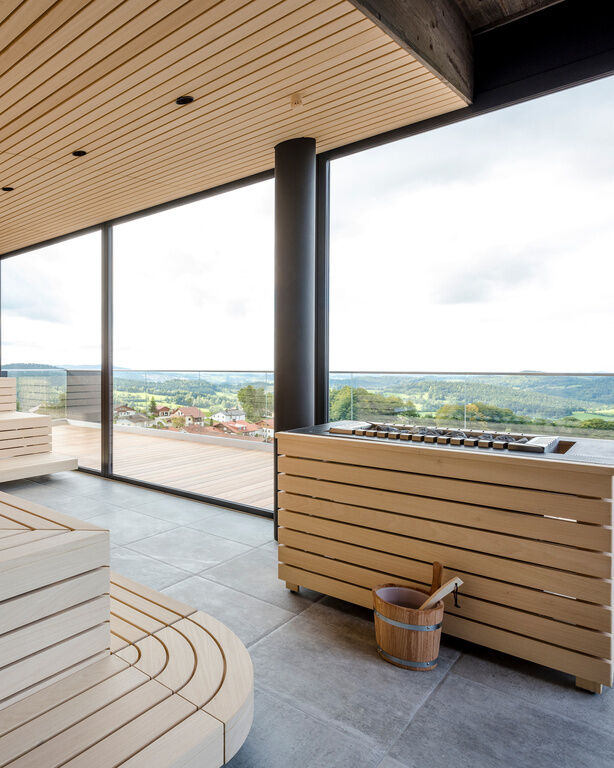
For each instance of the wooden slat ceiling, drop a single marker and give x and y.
(484, 14)
(103, 76)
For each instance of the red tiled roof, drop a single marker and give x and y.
(239, 427)
(199, 429)
(190, 410)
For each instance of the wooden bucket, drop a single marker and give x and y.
(406, 637)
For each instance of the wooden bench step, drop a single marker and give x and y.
(20, 467)
(178, 692)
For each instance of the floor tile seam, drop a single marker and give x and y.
(198, 530)
(266, 543)
(444, 677)
(334, 724)
(151, 557)
(121, 503)
(522, 700)
(271, 632)
(140, 511)
(228, 560)
(253, 597)
(138, 541)
(252, 643)
(203, 575)
(171, 565)
(420, 706)
(178, 497)
(175, 527)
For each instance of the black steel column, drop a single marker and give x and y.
(322, 282)
(295, 280)
(106, 393)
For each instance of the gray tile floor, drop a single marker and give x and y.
(324, 699)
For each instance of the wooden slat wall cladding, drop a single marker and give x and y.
(103, 77)
(531, 539)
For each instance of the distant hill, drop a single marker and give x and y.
(549, 397)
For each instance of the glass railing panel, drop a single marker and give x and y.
(527, 403)
(71, 396)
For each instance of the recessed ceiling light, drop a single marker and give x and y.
(184, 100)
(8, 189)
(79, 153)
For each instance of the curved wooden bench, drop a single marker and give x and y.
(176, 690)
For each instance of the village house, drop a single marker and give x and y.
(133, 419)
(239, 428)
(190, 413)
(230, 414)
(123, 410)
(163, 411)
(267, 428)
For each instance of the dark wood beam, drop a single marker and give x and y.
(562, 46)
(434, 32)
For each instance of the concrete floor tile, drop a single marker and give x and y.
(177, 510)
(14, 486)
(389, 762)
(256, 574)
(248, 617)
(73, 483)
(145, 570)
(85, 508)
(466, 724)
(238, 526)
(285, 737)
(326, 659)
(188, 549)
(122, 494)
(41, 494)
(127, 526)
(540, 686)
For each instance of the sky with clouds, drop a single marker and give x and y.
(487, 245)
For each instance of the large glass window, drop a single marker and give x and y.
(484, 246)
(51, 336)
(193, 347)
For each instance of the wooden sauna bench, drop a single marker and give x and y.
(530, 536)
(25, 440)
(147, 681)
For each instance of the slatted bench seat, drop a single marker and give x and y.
(176, 690)
(169, 686)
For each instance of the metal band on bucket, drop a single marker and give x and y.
(413, 627)
(407, 662)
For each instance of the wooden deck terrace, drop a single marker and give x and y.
(243, 475)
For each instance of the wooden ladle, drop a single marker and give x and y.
(439, 594)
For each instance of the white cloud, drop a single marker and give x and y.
(499, 260)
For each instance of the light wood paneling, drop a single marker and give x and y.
(54, 595)
(104, 76)
(182, 693)
(531, 540)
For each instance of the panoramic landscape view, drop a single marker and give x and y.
(240, 405)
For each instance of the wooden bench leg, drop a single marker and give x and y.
(292, 587)
(588, 685)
